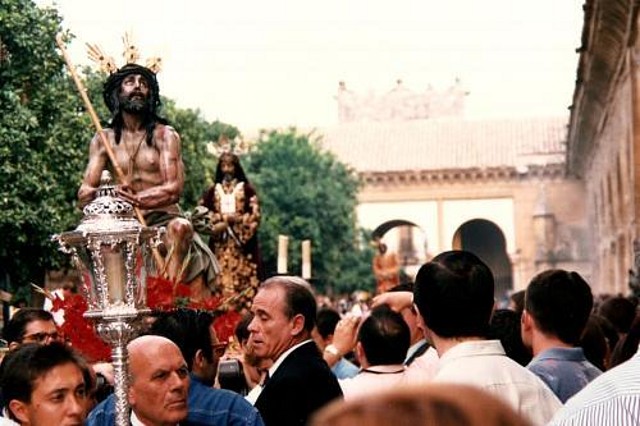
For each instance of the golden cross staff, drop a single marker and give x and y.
(103, 138)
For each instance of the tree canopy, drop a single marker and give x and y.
(307, 193)
(44, 139)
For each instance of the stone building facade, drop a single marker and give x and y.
(604, 138)
(495, 187)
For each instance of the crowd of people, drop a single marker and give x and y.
(432, 352)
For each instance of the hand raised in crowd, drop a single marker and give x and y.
(345, 335)
(397, 300)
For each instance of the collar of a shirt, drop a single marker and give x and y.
(471, 348)
(568, 354)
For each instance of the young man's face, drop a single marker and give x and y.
(59, 397)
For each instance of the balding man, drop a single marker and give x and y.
(158, 388)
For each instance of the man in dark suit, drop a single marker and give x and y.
(299, 382)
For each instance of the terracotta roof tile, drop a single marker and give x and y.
(453, 143)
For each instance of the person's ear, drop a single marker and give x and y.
(419, 319)
(199, 358)
(19, 410)
(526, 321)
(298, 324)
(13, 345)
(360, 356)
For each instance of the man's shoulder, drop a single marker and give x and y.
(206, 401)
(103, 414)
(165, 132)
(201, 394)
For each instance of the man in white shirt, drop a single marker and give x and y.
(455, 299)
(611, 399)
(383, 340)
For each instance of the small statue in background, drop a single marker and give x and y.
(235, 218)
(386, 268)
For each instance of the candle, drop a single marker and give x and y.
(283, 242)
(306, 259)
(115, 272)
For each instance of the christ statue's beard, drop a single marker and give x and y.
(228, 177)
(135, 103)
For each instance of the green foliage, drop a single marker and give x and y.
(196, 134)
(44, 139)
(41, 139)
(306, 193)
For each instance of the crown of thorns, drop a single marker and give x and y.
(131, 55)
(236, 147)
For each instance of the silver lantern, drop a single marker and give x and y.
(112, 251)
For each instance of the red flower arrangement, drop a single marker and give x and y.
(162, 295)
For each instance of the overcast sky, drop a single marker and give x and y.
(273, 63)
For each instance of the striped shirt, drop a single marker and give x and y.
(612, 399)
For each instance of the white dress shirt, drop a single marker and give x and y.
(424, 368)
(483, 363)
(611, 399)
(372, 380)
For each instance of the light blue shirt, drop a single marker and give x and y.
(565, 370)
(344, 369)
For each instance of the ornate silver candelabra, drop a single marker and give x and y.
(111, 249)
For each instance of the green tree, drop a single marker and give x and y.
(307, 193)
(196, 135)
(44, 139)
(42, 130)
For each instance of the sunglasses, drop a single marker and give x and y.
(42, 337)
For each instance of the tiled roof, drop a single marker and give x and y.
(453, 143)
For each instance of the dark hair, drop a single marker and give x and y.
(505, 326)
(23, 366)
(326, 321)
(298, 298)
(594, 342)
(454, 294)
(385, 337)
(560, 303)
(235, 160)
(518, 300)
(15, 328)
(620, 312)
(111, 96)
(627, 347)
(242, 328)
(189, 329)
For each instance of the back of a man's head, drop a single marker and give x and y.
(326, 321)
(189, 329)
(560, 303)
(14, 330)
(620, 311)
(384, 336)
(454, 295)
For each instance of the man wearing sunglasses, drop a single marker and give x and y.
(31, 325)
